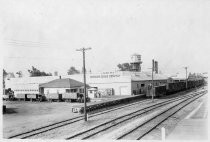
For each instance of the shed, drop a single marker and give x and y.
(65, 85)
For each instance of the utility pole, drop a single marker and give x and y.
(153, 80)
(84, 73)
(186, 76)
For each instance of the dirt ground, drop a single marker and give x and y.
(23, 116)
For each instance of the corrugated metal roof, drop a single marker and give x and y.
(139, 76)
(62, 83)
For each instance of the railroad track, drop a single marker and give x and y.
(56, 125)
(97, 130)
(145, 128)
(59, 124)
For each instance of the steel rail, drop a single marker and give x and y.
(129, 115)
(184, 104)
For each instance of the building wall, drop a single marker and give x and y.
(27, 85)
(25, 89)
(123, 88)
(120, 83)
(56, 90)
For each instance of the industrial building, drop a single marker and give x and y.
(27, 87)
(106, 83)
(122, 82)
(116, 83)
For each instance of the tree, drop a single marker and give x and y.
(36, 72)
(4, 73)
(20, 74)
(124, 67)
(73, 70)
(4, 76)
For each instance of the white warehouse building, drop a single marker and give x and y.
(27, 85)
(107, 83)
(122, 82)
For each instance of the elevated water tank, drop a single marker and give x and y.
(136, 62)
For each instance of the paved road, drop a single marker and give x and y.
(194, 126)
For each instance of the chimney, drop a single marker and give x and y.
(156, 67)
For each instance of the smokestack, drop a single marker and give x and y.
(153, 65)
(156, 67)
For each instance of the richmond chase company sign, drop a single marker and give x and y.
(105, 76)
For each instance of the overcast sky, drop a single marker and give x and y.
(46, 34)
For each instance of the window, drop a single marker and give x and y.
(91, 91)
(142, 85)
(73, 90)
(67, 90)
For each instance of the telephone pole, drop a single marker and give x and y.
(84, 73)
(153, 64)
(152, 84)
(186, 76)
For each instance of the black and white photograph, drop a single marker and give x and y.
(104, 70)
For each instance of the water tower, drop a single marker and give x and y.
(136, 62)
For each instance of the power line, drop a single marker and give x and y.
(27, 44)
(21, 41)
(38, 58)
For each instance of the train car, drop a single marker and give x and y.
(158, 91)
(175, 87)
(195, 83)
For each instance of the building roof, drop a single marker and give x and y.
(32, 80)
(142, 76)
(178, 78)
(62, 83)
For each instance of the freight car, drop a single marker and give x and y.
(171, 88)
(175, 87)
(158, 91)
(181, 86)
